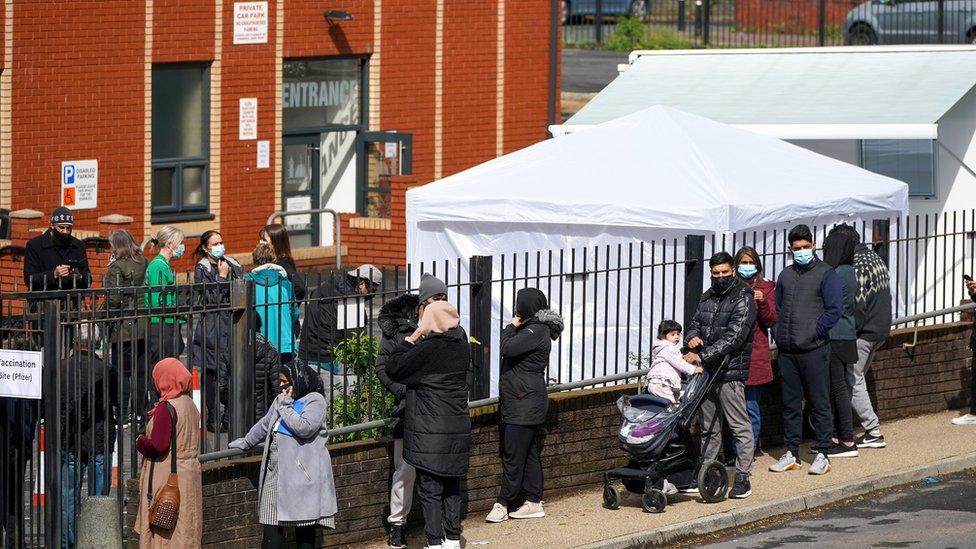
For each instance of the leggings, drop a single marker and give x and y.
(274, 537)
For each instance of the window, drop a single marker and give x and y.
(322, 92)
(180, 141)
(908, 160)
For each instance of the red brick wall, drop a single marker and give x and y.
(526, 73)
(788, 16)
(308, 34)
(78, 94)
(183, 31)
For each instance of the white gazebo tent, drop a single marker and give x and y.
(653, 174)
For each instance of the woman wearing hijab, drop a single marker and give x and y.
(433, 363)
(838, 252)
(296, 485)
(173, 383)
(525, 346)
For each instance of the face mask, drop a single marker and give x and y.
(62, 238)
(721, 284)
(747, 271)
(217, 251)
(803, 257)
(178, 252)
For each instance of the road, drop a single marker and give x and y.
(941, 515)
(589, 71)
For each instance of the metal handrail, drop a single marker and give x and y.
(335, 218)
(941, 312)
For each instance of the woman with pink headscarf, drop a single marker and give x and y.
(174, 411)
(433, 363)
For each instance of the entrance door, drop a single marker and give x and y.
(300, 188)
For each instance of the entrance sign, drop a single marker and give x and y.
(79, 184)
(20, 374)
(250, 22)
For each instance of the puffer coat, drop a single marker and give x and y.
(725, 323)
(525, 362)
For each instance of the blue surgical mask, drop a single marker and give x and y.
(803, 257)
(217, 251)
(179, 251)
(747, 271)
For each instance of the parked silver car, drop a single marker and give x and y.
(911, 22)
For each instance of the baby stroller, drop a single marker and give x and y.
(655, 435)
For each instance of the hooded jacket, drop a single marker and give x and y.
(274, 302)
(838, 252)
(127, 275)
(397, 320)
(437, 429)
(88, 398)
(211, 337)
(320, 332)
(525, 351)
(725, 322)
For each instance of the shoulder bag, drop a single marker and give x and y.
(164, 507)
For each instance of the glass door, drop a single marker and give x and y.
(300, 188)
(385, 155)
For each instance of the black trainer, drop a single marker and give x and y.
(870, 441)
(840, 450)
(741, 488)
(398, 538)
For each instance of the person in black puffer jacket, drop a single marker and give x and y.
(397, 320)
(267, 365)
(723, 327)
(433, 363)
(525, 347)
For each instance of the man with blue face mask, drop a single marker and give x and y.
(809, 301)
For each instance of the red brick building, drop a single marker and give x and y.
(356, 100)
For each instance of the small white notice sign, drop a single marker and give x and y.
(350, 315)
(79, 184)
(248, 118)
(298, 204)
(250, 22)
(20, 374)
(264, 154)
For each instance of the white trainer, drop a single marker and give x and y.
(968, 419)
(451, 544)
(498, 513)
(528, 510)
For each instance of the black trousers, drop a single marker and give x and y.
(809, 371)
(274, 537)
(165, 340)
(842, 353)
(972, 388)
(215, 394)
(440, 498)
(521, 469)
(129, 357)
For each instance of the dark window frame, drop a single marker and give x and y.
(177, 210)
(932, 192)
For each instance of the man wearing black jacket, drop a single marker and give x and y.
(56, 260)
(723, 327)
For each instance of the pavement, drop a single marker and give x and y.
(917, 447)
(936, 514)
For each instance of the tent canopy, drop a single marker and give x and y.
(659, 168)
(872, 92)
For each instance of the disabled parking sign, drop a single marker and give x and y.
(79, 184)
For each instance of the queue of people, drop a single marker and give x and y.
(826, 317)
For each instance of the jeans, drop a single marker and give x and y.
(753, 395)
(808, 370)
(401, 488)
(860, 399)
(521, 469)
(72, 474)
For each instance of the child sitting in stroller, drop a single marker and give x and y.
(667, 364)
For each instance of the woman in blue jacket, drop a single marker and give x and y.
(274, 301)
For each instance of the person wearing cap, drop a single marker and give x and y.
(56, 260)
(326, 324)
(398, 319)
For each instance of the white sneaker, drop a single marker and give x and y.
(498, 513)
(433, 546)
(786, 463)
(821, 465)
(528, 510)
(669, 489)
(451, 544)
(968, 419)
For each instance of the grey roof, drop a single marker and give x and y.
(846, 85)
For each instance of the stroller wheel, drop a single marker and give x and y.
(713, 481)
(654, 501)
(611, 498)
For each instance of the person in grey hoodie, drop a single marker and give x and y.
(296, 487)
(525, 347)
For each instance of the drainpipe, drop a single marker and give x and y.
(553, 59)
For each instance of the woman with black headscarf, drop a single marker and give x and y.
(525, 347)
(838, 252)
(296, 485)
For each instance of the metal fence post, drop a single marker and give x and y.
(694, 274)
(941, 22)
(706, 21)
(822, 21)
(681, 14)
(51, 391)
(598, 21)
(881, 237)
(479, 268)
(241, 387)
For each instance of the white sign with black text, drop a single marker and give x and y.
(20, 374)
(79, 184)
(248, 118)
(250, 22)
(264, 154)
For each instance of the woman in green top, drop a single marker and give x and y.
(165, 337)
